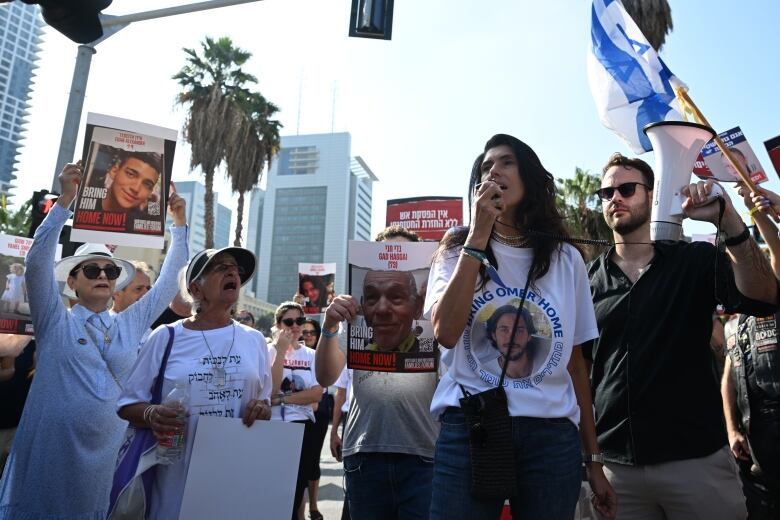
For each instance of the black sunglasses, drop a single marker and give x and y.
(308, 333)
(92, 271)
(627, 189)
(294, 321)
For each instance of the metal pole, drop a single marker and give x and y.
(111, 24)
(70, 129)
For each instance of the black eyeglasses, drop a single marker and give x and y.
(627, 189)
(308, 333)
(92, 271)
(244, 319)
(294, 321)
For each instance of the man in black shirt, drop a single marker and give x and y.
(658, 409)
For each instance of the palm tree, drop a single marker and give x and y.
(208, 81)
(252, 141)
(17, 222)
(581, 208)
(654, 18)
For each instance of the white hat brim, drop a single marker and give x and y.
(63, 268)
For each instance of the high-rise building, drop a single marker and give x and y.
(192, 192)
(20, 36)
(317, 198)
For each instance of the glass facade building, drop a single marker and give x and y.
(20, 37)
(317, 198)
(192, 192)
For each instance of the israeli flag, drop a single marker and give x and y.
(630, 84)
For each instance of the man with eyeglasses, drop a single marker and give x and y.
(658, 409)
(246, 318)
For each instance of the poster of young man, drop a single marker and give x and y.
(712, 163)
(123, 195)
(429, 217)
(14, 304)
(389, 280)
(315, 284)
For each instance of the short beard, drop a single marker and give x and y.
(632, 224)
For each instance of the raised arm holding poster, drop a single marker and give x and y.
(389, 280)
(14, 304)
(127, 169)
(315, 284)
(711, 162)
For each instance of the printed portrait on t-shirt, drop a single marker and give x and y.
(501, 334)
(292, 384)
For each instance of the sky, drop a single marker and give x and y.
(421, 106)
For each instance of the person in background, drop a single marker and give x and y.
(310, 332)
(296, 391)
(245, 317)
(17, 364)
(750, 387)
(134, 291)
(63, 457)
(179, 308)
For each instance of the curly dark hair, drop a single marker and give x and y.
(537, 212)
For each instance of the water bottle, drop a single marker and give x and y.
(171, 448)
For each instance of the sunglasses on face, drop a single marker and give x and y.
(244, 319)
(221, 268)
(626, 190)
(294, 321)
(92, 271)
(308, 333)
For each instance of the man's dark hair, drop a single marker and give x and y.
(492, 323)
(618, 159)
(537, 211)
(153, 159)
(391, 232)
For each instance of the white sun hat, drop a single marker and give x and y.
(85, 253)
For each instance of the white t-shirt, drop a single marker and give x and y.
(248, 372)
(562, 312)
(345, 381)
(298, 375)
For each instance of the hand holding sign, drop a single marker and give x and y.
(70, 178)
(177, 207)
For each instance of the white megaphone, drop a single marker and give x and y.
(676, 145)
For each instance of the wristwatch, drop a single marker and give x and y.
(587, 458)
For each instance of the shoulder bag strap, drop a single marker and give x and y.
(157, 389)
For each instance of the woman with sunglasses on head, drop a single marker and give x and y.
(227, 358)
(63, 457)
(296, 391)
(512, 254)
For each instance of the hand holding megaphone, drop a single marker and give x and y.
(699, 201)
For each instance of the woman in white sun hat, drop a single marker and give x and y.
(62, 461)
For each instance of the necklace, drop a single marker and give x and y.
(509, 240)
(220, 376)
(106, 331)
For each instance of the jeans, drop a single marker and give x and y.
(388, 486)
(547, 460)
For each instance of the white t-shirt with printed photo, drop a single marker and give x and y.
(248, 376)
(298, 375)
(562, 312)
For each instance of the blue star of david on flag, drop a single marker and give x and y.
(631, 85)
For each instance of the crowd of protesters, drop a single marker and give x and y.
(664, 393)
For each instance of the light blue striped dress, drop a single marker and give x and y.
(63, 456)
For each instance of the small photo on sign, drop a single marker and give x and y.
(316, 285)
(389, 281)
(713, 163)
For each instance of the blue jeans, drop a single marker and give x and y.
(388, 486)
(547, 460)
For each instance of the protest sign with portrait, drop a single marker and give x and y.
(773, 149)
(123, 196)
(315, 284)
(14, 304)
(712, 163)
(389, 281)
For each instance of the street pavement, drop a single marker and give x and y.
(331, 495)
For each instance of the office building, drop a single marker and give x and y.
(192, 192)
(317, 198)
(20, 37)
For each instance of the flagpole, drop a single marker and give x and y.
(682, 92)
